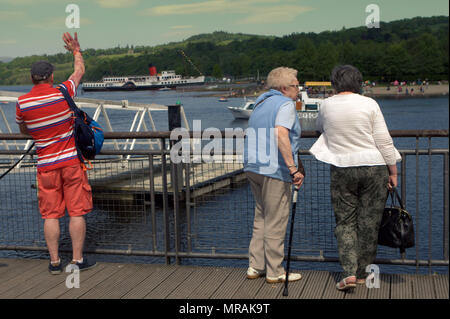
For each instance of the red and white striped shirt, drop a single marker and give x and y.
(49, 121)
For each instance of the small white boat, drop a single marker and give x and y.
(242, 112)
(164, 89)
(307, 108)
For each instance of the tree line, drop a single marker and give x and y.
(407, 49)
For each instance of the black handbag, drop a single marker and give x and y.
(396, 228)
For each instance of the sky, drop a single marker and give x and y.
(30, 27)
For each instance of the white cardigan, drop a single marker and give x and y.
(354, 133)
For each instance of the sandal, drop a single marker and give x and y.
(346, 283)
(360, 281)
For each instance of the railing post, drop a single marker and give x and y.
(446, 206)
(174, 113)
(165, 203)
(403, 188)
(176, 173)
(152, 201)
(430, 212)
(187, 169)
(417, 205)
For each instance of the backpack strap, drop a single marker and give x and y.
(69, 101)
(76, 114)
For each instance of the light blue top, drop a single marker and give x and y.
(261, 154)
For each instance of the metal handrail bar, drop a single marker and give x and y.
(166, 134)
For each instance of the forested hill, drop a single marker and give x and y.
(405, 50)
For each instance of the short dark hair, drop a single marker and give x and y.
(41, 72)
(346, 78)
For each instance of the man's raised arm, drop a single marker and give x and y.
(72, 45)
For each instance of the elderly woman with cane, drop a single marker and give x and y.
(356, 143)
(270, 163)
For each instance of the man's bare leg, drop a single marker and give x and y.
(77, 229)
(51, 233)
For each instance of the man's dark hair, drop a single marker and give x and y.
(41, 72)
(346, 78)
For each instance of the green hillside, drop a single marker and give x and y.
(405, 49)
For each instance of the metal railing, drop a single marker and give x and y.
(150, 206)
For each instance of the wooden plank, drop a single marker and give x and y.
(209, 286)
(270, 291)
(105, 286)
(158, 275)
(19, 276)
(38, 285)
(401, 287)
(360, 292)
(330, 291)
(317, 282)
(13, 267)
(107, 272)
(296, 289)
(229, 287)
(121, 287)
(30, 279)
(423, 286)
(7, 264)
(249, 288)
(384, 292)
(170, 284)
(198, 275)
(441, 286)
(60, 289)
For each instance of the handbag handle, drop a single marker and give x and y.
(395, 191)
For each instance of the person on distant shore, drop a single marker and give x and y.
(44, 114)
(356, 143)
(276, 126)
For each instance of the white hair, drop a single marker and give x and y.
(281, 77)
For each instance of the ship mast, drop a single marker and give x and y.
(189, 60)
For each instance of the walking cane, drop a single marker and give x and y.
(294, 206)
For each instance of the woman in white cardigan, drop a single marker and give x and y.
(356, 143)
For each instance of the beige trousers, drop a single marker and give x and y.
(273, 198)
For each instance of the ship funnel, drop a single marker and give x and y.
(152, 69)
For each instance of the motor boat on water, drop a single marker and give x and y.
(307, 108)
(242, 112)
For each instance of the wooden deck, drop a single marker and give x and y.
(29, 278)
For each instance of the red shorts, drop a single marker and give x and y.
(61, 188)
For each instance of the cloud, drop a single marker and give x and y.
(274, 15)
(11, 15)
(58, 23)
(190, 8)
(8, 41)
(181, 27)
(117, 3)
(255, 11)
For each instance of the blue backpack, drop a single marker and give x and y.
(87, 132)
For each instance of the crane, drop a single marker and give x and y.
(189, 60)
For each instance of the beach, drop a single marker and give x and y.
(428, 91)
